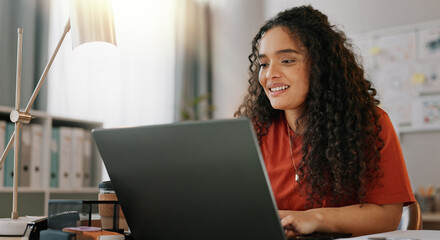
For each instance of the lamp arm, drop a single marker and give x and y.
(36, 91)
(18, 76)
(14, 214)
(46, 69)
(8, 147)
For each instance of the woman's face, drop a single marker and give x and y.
(284, 73)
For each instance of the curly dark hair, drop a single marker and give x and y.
(341, 143)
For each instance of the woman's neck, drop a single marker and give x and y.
(291, 117)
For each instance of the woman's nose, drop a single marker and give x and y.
(272, 71)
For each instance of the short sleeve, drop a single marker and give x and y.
(394, 186)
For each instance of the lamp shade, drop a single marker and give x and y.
(92, 26)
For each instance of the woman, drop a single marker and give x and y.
(332, 156)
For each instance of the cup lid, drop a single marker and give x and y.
(106, 185)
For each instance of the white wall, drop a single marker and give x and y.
(356, 16)
(421, 153)
(234, 24)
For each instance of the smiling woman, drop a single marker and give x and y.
(332, 156)
(135, 86)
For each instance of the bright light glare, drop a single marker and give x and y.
(123, 89)
(94, 50)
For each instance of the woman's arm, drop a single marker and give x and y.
(355, 219)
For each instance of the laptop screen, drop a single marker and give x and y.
(191, 180)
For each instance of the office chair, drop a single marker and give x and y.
(411, 218)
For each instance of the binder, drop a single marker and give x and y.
(2, 147)
(54, 157)
(65, 157)
(77, 157)
(87, 176)
(35, 164)
(25, 156)
(9, 160)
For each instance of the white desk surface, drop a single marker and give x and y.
(402, 235)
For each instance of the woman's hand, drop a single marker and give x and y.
(355, 219)
(299, 222)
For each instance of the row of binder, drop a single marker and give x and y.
(70, 157)
(29, 155)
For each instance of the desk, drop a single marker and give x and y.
(431, 220)
(400, 234)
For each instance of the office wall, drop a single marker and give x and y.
(32, 17)
(236, 21)
(422, 157)
(356, 16)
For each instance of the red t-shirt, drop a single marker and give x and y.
(393, 187)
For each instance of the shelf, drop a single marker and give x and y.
(79, 190)
(22, 190)
(50, 190)
(34, 201)
(63, 121)
(403, 130)
(431, 216)
(4, 110)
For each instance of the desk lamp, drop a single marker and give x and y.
(92, 24)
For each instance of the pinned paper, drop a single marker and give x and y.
(418, 78)
(375, 50)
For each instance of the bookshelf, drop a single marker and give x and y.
(420, 147)
(420, 129)
(431, 220)
(34, 200)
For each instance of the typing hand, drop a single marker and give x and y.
(298, 222)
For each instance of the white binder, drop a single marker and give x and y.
(77, 157)
(65, 157)
(2, 147)
(35, 169)
(87, 176)
(25, 156)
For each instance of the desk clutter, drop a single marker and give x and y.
(429, 199)
(81, 233)
(85, 220)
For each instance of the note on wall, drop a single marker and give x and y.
(429, 43)
(426, 76)
(427, 111)
(404, 66)
(395, 48)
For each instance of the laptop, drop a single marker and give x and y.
(191, 180)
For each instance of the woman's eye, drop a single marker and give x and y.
(288, 61)
(263, 65)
